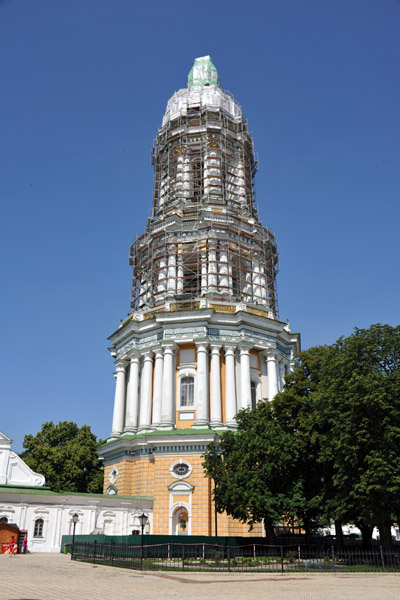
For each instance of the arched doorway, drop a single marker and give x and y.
(180, 521)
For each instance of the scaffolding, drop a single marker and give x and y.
(204, 238)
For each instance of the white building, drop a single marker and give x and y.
(47, 515)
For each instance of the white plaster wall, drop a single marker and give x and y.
(57, 518)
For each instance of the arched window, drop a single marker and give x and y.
(253, 387)
(38, 531)
(187, 391)
(3, 520)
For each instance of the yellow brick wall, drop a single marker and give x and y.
(151, 477)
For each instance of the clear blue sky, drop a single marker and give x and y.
(84, 84)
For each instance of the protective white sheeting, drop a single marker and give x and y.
(207, 95)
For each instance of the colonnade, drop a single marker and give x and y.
(215, 274)
(145, 385)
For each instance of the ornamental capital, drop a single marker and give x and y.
(270, 354)
(245, 347)
(215, 348)
(120, 365)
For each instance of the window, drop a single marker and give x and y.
(187, 391)
(38, 531)
(181, 469)
(3, 520)
(253, 387)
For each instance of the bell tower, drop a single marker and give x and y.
(203, 339)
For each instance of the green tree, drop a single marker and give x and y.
(67, 456)
(256, 474)
(358, 406)
(294, 408)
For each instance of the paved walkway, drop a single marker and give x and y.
(56, 577)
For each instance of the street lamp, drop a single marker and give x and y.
(142, 520)
(75, 519)
(182, 522)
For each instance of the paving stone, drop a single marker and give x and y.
(56, 577)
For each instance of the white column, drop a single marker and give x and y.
(58, 528)
(263, 283)
(215, 387)
(158, 387)
(132, 399)
(256, 281)
(249, 286)
(180, 277)
(119, 401)
(171, 284)
(186, 177)
(245, 395)
(224, 272)
(212, 268)
(168, 400)
(230, 386)
(145, 391)
(203, 273)
(202, 386)
(272, 375)
(162, 275)
(281, 382)
(57, 518)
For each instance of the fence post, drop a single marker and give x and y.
(229, 556)
(333, 558)
(112, 552)
(183, 557)
(94, 550)
(169, 551)
(282, 559)
(382, 558)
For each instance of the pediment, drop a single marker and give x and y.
(180, 486)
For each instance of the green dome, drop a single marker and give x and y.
(203, 72)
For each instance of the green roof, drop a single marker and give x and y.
(45, 491)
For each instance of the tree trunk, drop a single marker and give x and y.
(306, 522)
(366, 532)
(269, 532)
(339, 535)
(385, 535)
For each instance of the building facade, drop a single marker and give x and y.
(46, 516)
(203, 339)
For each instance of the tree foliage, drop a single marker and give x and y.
(358, 407)
(327, 447)
(67, 456)
(294, 408)
(254, 478)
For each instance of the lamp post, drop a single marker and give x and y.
(142, 520)
(75, 519)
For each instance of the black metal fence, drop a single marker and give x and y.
(250, 557)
